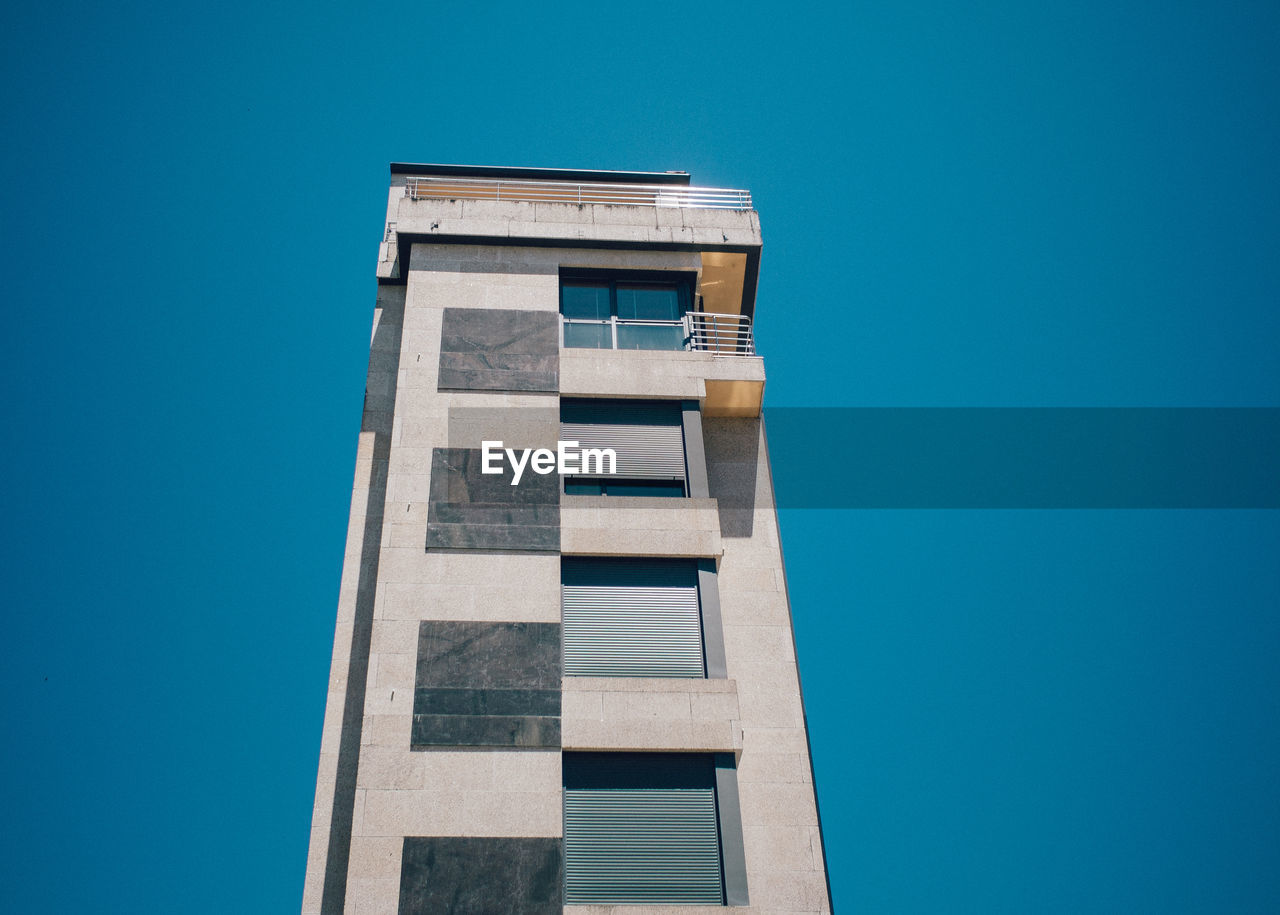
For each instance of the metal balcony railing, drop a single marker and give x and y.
(652, 195)
(697, 331)
(722, 335)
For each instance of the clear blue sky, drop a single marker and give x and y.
(1001, 204)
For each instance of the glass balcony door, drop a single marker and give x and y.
(618, 314)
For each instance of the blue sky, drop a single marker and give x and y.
(994, 204)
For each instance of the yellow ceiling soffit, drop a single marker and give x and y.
(723, 273)
(733, 398)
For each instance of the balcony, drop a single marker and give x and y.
(648, 195)
(697, 331)
(704, 356)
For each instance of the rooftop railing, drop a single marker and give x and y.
(651, 195)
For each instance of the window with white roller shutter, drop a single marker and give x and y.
(646, 436)
(641, 828)
(631, 618)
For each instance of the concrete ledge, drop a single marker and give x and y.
(652, 373)
(637, 526)
(642, 713)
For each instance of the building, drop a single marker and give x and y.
(577, 693)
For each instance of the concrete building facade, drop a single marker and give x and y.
(579, 692)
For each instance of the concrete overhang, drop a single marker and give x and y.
(725, 385)
(727, 239)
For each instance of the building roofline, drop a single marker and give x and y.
(574, 175)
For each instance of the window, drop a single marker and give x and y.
(646, 436)
(647, 828)
(625, 311)
(633, 618)
(602, 487)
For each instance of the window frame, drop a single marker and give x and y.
(603, 481)
(603, 484)
(578, 571)
(603, 773)
(684, 282)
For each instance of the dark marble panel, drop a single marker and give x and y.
(491, 349)
(469, 509)
(496, 513)
(481, 876)
(493, 537)
(500, 330)
(484, 731)
(483, 684)
(483, 655)
(457, 476)
(446, 701)
(470, 372)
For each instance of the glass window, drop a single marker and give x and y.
(588, 335)
(670, 489)
(581, 300)
(635, 312)
(662, 488)
(574, 487)
(649, 302)
(650, 336)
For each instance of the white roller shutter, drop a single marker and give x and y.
(636, 618)
(644, 844)
(647, 437)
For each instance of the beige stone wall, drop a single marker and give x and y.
(358, 569)
(477, 792)
(779, 814)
